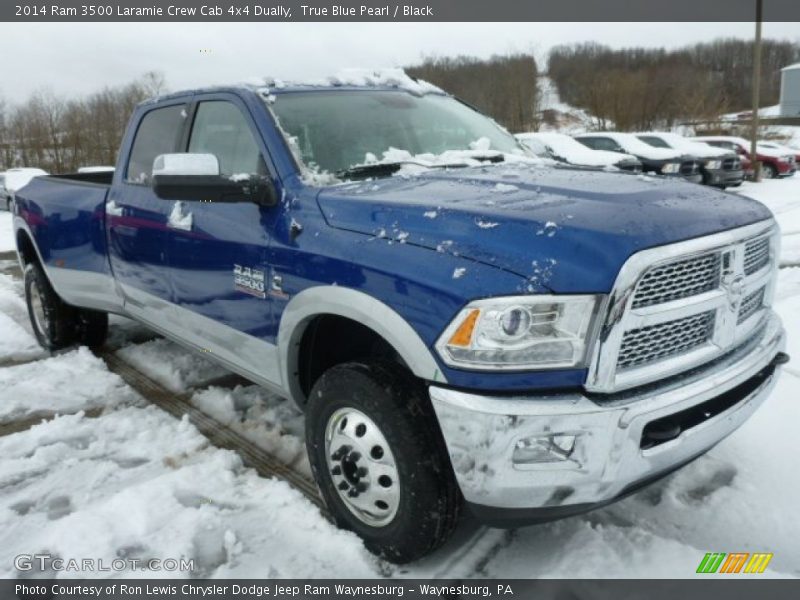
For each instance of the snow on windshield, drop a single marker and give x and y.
(354, 77)
(331, 131)
(480, 153)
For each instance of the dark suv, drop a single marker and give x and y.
(720, 167)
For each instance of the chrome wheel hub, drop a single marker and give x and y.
(37, 307)
(362, 467)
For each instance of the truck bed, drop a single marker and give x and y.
(99, 177)
(65, 215)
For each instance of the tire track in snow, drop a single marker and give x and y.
(18, 425)
(217, 433)
(180, 407)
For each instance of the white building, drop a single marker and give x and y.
(790, 91)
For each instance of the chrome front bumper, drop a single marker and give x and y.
(608, 460)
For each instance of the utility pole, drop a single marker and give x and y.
(756, 91)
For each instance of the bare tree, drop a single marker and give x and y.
(501, 86)
(642, 88)
(60, 134)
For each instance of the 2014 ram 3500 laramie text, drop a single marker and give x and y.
(462, 323)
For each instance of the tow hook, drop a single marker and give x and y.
(781, 358)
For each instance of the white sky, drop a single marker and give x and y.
(78, 58)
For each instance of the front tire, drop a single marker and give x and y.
(770, 172)
(379, 459)
(92, 327)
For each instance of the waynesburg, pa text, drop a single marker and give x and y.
(216, 590)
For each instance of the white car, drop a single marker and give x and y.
(564, 148)
(720, 167)
(663, 161)
(15, 179)
(97, 169)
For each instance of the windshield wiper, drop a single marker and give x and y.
(372, 170)
(384, 169)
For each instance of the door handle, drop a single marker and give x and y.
(178, 219)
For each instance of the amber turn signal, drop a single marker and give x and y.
(463, 335)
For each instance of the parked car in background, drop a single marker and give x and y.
(774, 163)
(720, 167)
(13, 180)
(564, 148)
(782, 148)
(661, 161)
(98, 169)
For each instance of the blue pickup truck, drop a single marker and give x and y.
(463, 325)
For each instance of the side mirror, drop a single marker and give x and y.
(196, 177)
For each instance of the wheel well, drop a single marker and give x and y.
(26, 249)
(329, 340)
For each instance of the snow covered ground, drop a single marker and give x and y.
(115, 477)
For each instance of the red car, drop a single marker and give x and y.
(774, 162)
(782, 148)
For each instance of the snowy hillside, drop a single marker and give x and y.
(557, 115)
(116, 477)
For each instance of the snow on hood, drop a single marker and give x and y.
(701, 150)
(563, 229)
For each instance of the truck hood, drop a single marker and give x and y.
(705, 151)
(597, 158)
(654, 153)
(565, 230)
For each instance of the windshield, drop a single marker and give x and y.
(631, 143)
(336, 130)
(563, 144)
(654, 141)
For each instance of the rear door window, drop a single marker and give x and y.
(158, 133)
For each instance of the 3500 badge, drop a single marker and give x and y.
(249, 281)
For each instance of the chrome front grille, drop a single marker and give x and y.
(750, 305)
(756, 255)
(679, 279)
(731, 164)
(676, 307)
(656, 342)
(690, 167)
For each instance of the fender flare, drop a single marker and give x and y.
(360, 307)
(20, 225)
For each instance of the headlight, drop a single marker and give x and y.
(714, 164)
(672, 167)
(517, 333)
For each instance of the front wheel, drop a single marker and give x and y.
(770, 172)
(379, 459)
